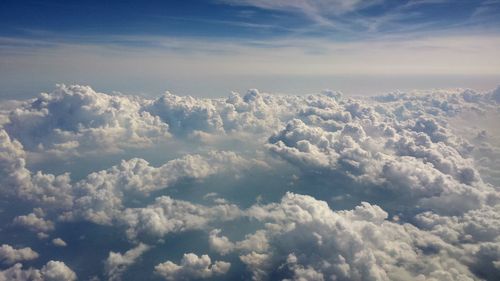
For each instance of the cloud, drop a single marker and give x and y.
(18, 274)
(478, 228)
(10, 255)
(57, 271)
(192, 267)
(379, 188)
(75, 119)
(52, 271)
(318, 11)
(382, 147)
(116, 263)
(39, 187)
(250, 113)
(99, 197)
(312, 240)
(34, 223)
(168, 215)
(253, 242)
(427, 59)
(59, 242)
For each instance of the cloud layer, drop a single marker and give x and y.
(266, 187)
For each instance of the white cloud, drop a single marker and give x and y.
(10, 255)
(34, 223)
(318, 10)
(75, 119)
(117, 263)
(424, 210)
(59, 242)
(192, 267)
(168, 215)
(57, 271)
(391, 146)
(17, 273)
(98, 198)
(253, 242)
(360, 244)
(52, 271)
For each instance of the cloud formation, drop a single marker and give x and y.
(377, 188)
(10, 255)
(192, 267)
(52, 271)
(118, 263)
(76, 119)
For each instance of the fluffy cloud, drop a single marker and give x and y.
(52, 271)
(59, 242)
(99, 197)
(253, 242)
(17, 273)
(16, 180)
(192, 267)
(477, 230)
(419, 206)
(77, 119)
(168, 215)
(116, 263)
(74, 120)
(253, 112)
(34, 223)
(57, 271)
(317, 243)
(416, 158)
(10, 255)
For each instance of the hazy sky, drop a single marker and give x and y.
(208, 48)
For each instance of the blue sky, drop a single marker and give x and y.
(223, 45)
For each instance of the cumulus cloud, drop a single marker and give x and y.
(253, 242)
(10, 255)
(167, 215)
(17, 273)
(59, 242)
(415, 156)
(254, 112)
(409, 199)
(52, 271)
(57, 271)
(18, 181)
(117, 263)
(317, 243)
(192, 267)
(99, 197)
(34, 223)
(75, 119)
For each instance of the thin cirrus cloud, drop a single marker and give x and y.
(252, 40)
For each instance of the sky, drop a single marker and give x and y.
(210, 48)
(316, 140)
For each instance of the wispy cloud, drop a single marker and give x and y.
(356, 17)
(201, 56)
(317, 10)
